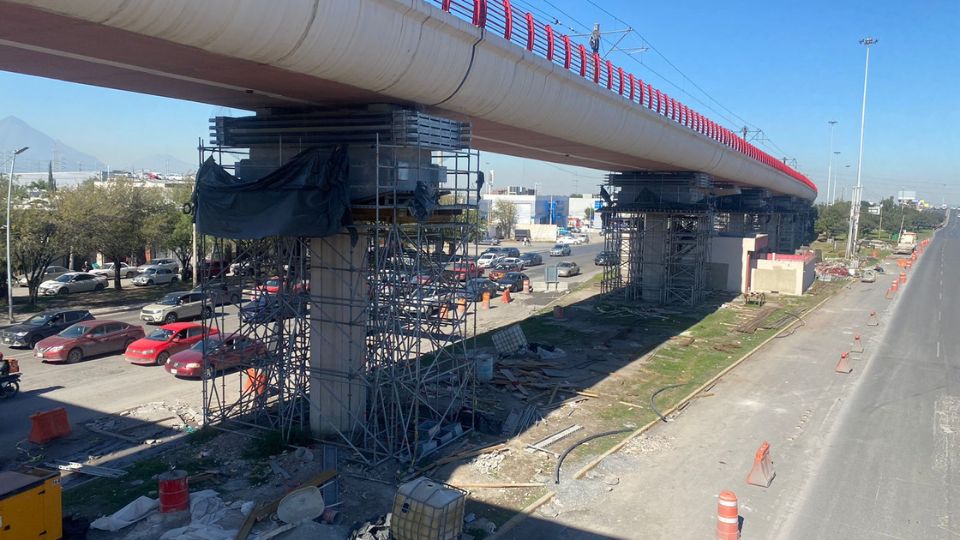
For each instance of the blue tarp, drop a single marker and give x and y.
(308, 196)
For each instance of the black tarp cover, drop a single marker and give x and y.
(308, 196)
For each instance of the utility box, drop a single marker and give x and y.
(427, 510)
(30, 505)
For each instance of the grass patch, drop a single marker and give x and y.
(203, 435)
(108, 297)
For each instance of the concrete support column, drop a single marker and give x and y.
(338, 320)
(653, 257)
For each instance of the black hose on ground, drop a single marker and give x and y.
(653, 399)
(556, 473)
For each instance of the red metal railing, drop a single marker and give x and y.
(501, 18)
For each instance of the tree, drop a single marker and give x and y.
(504, 214)
(172, 229)
(111, 219)
(51, 181)
(588, 213)
(37, 240)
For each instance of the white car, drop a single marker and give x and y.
(155, 275)
(51, 273)
(107, 271)
(567, 240)
(487, 259)
(73, 282)
(171, 264)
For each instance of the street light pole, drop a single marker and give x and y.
(830, 163)
(855, 206)
(13, 163)
(835, 177)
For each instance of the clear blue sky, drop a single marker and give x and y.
(785, 68)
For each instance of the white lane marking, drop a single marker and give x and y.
(938, 349)
(946, 420)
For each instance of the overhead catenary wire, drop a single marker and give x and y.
(693, 83)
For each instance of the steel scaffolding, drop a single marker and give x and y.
(390, 283)
(659, 227)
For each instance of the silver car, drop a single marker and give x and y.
(171, 264)
(73, 282)
(567, 269)
(51, 273)
(108, 272)
(155, 275)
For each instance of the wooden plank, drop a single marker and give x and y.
(498, 486)
(542, 444)
(263, 511)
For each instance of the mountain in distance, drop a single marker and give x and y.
(15, 134)
(159, 163)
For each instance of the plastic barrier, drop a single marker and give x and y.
(46, 426)
(255, 381)
(843, 366)
(174, 491)
(762, 473)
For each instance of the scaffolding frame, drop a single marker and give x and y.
(414, 377)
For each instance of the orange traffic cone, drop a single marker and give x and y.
(872, 319)
(506, 296)
(728, 516)
(843, 366)
(762, 473)
(486, 300)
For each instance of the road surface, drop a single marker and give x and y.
(891, 468)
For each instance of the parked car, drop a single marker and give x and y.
(273, 307)
(213, 269)
(462, 271)
(87, 338)
(42, 325)
(276, 285)
(108, 272)
(170, 264)
(489, 241)
(155, 275)
(504, 251)
(165, 341)
(487, 259)
(427, 301)
(176, 306)
(518, 261)
(567, 240)
(473, 290)
(221, 293)
(606, 258)
(567, 269)
(222, 352)
(512, 281)
(531, 259)
(51, 273)
(73, 282)
(560, 250)
(501, 269)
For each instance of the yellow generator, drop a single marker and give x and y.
(30, 505)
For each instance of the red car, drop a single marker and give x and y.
(88, 338)
(223, 352)
(169, 339)
(502, 269)
(462, 271)
(274, 284)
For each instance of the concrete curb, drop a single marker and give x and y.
(117, 309)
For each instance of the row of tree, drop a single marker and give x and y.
(833, 219)
(116, 219)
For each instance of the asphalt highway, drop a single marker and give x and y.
(891, 465)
